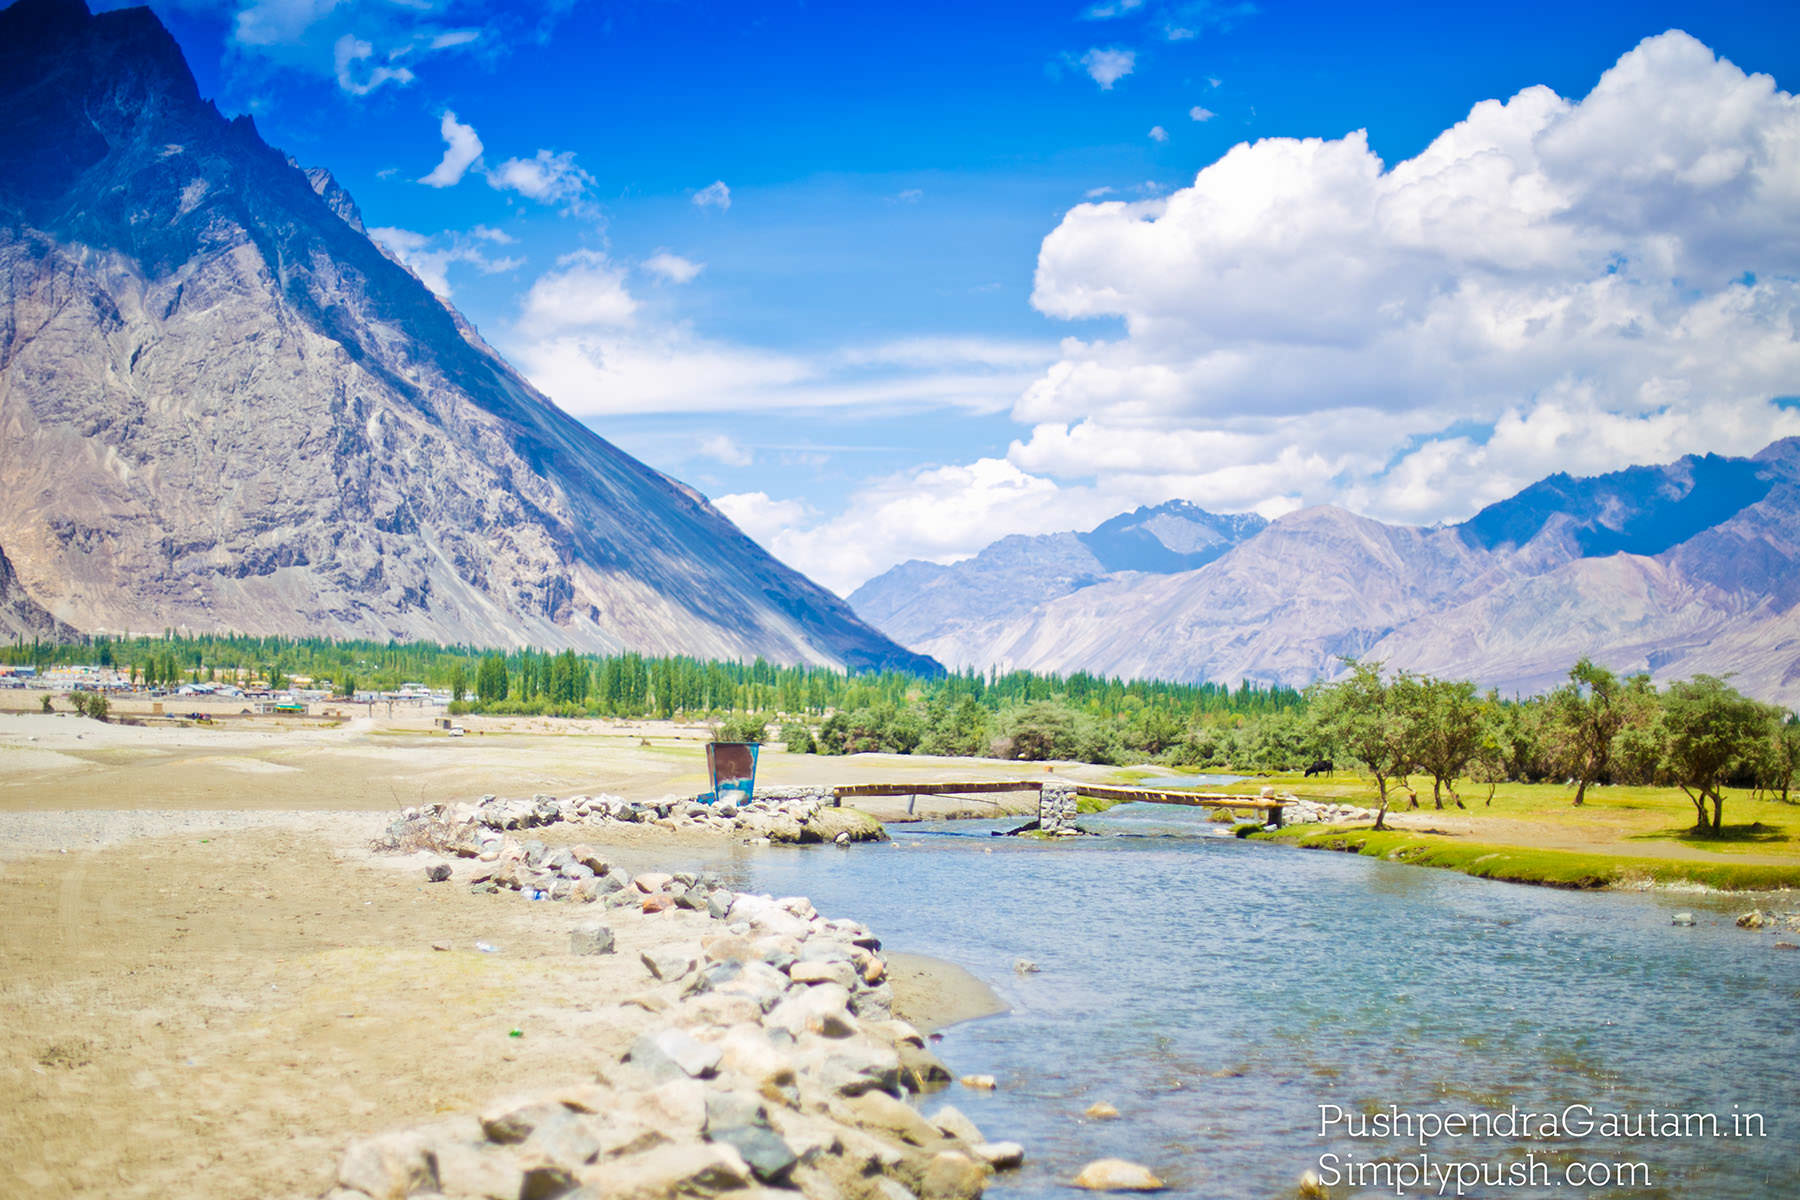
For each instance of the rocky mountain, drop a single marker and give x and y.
(920, 601)
(1689, 567)
(223, 407)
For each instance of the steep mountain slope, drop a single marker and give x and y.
(920, 601)
(1510, 598)
(21, 617)
(222, 407)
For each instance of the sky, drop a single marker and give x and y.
(891, 281)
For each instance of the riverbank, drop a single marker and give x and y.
(241, 999)
(1621, 837)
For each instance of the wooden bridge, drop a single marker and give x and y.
(1056, 798)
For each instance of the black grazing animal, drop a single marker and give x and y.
(1321, 767)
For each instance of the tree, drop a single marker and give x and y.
(349, 686)
(1783, 755)
(798, 738)
(1447, 732)
(490, 679)
(1369, 720)
(1585, 715)
(459, 682)
(1711, 731)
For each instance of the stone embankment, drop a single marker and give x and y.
(771, 1065)
(791, 815)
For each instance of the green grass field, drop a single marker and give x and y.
(1531, 833)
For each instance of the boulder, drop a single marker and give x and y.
(510, 1122)
(652, 881)
(952, 1175)
(679, 1168)
(840, 973)
(671, 1053)
(589, 857)
(979, 1083)
(1002, 1156)
(1754, 919)
(920, 1069)
(437, 872)
(769, 1158)
(591, 939)
(389, 1167)
(952, 1124)
(882, 1113)
(1100, 1110)
(668, 963)
(1117, 1175)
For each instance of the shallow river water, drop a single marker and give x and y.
(1225, 995)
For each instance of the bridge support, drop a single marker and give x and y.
(1056, 807)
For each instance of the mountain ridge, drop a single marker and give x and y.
(1509, 598)
(226, 408)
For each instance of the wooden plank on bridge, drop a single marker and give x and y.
(925, 788)
(1101, 791)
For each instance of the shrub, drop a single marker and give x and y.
(798, 739)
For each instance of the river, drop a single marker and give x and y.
(1223, 994)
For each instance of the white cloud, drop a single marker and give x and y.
(1107, 66)
(585, 291)
(1197, 113)
(722, 448)
(358, 74)
(713, 195)
(461, 148)
(1158, 134)
(1106, 10)
(273, 22)
(673, 267)
(430, 257)
(547, 177)
(910, 195)
(1627, 265)
(763, 519)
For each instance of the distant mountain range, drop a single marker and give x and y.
(222, 407)
(1690, 567)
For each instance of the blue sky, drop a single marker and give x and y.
(891, 281)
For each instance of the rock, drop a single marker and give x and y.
(840, 973)
(437, 872)
(1100, 1110)
(668, 963)
(590, 939)
(669, 1053)
(1311, 1187)
(1024, 966)
(1682, 918)
(472, 1170)
(1116, 1175)
(857, 1066)
(1002, 1156)
(652, 881)
(1754, 919)
(564, 1141)
(883, 1113)
(511, 1121)
(921, 1070)
(842, 839)
(440, 945)
(547, 1183)
(762, 1149)
(718, 905)
(952, 1124)
(389, 1167)
(589, 857)
(952, 1175)
(979, 1083)
(673, 1169)
(658, 902)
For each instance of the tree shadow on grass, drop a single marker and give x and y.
(1752, 834)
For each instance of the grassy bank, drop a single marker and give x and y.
(1531, 833)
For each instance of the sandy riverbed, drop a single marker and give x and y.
(210, 983)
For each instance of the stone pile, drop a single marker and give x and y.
(1295, 811)
(769, 1065)
(798, 815)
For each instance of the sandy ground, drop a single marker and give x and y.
(210, 986)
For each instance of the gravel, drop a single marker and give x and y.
(23, 834)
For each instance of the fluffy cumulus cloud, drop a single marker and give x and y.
(461, 149)
(1549, 285)
(1158, 134)
(548, 177)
